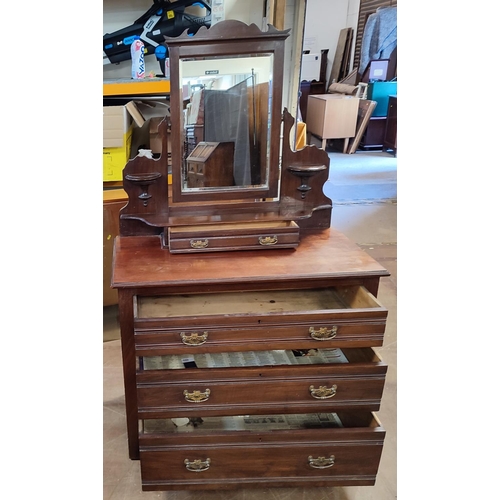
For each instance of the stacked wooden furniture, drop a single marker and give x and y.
(251, 364)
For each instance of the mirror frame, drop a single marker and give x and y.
(226, 39)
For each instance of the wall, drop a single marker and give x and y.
(324, 21)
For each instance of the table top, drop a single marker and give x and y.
(140, 261)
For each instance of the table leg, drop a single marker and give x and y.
(126, 308)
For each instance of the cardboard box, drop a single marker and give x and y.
(116, 141)
(332, 116)
(116, 122)
(115, 159)
(154, 136)
(126, 129)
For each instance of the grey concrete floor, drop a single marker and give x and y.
(362, 187)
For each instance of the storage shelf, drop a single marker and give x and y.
(127, 86)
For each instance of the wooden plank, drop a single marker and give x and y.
(337, 60)
(277, 13)
(350, 79)
(365, 111)
(346, 57)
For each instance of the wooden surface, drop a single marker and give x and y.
(141, 262)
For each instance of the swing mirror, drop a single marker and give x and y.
(226, 92)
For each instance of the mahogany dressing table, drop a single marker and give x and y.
(247, 323)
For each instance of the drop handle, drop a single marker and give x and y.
(321, 462)
(196, 396)
(197, 465)
(323, 392)
(194, 338)
(323, 333)
(268, 240)
(199, 244)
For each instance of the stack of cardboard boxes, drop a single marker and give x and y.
(126, 129)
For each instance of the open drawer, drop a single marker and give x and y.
(347, 316)
(256, 451)
(329, 380)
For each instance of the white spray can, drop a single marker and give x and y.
(137, 55)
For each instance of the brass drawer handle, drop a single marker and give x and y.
(196, 396)
(194, 338)
(323, 392)
(268, 240)
(323, 333)
(199, 243)
(321, 462)
(197, 465)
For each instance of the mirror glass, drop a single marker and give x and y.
(226, 110)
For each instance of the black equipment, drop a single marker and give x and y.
(164, 18)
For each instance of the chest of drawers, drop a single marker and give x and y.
(252, 368)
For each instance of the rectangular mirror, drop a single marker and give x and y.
(226, 91)
(226, 133)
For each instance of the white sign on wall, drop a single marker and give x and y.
(217, 11)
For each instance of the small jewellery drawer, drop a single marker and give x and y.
(355, 384)
(273, 319)
(224, 237)
(332, 450)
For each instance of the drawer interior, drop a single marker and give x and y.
(260, 358)
(261, 423)
(255, 302)
(223, 228)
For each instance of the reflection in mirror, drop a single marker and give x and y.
(226, 121)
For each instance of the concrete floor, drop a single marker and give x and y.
(362, 187)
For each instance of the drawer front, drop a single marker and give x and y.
(250, 236)
(225, 243)
(312, 458)
(253, 390)
(156, 339)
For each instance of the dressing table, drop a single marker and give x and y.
(247, 322)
